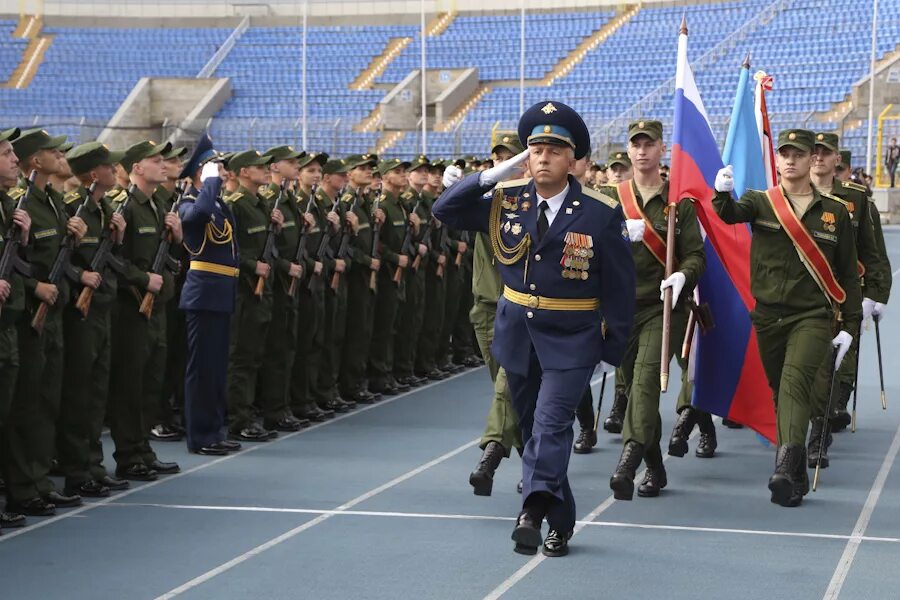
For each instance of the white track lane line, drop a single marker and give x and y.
(8, 535)
(460, 517)
(532, 564)
(310, 524)
(843, 567)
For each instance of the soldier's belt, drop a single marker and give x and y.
(545, 303)
(199, 265)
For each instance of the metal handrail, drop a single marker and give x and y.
(210, 67)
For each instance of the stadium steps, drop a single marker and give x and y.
(845, 109)
(463, 110)
(387, 141)
(29, 27)
(370, 122)
(379, 63)
(440, 23)
(562, 68)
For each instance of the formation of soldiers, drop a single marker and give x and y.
(348, 291)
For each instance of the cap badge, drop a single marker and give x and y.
(549, 108)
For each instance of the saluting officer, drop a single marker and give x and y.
(567, 304)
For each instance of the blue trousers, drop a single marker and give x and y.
(205, 377)
(545, 401)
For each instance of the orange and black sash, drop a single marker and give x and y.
(632, 209)
(809, 250)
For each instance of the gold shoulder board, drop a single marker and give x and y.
(71, 197)
(591, 193)
(503, 185)
(347, 198)
(232, 197)
(854, 186)
(16, 193)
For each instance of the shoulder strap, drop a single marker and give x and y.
(807, 248)
(652, 240)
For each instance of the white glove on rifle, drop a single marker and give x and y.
(503, 171)
(868, 306)
(842, 342)
(635, 229)
(725, 179)
(676, 281)
(210, 169)
(878, 310)
(452, 174)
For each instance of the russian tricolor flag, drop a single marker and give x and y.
(729, 379)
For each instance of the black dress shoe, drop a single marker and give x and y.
(586, 441)
(33, 507)
(359, 398)
(527, 534)
(482, 478)
(89, 489)
(334, 406)
(165, 433)
(471, 362)
(284, 424)
(136, 473)
(314, 413)
(556, 543)
(227, 445)
(449, 367)
(400, 387)
(62, 501)
(436, 375)
(114, 484)
(210, 451)
(347, 404)
(164, 468)
(252, 433)
(12, 520)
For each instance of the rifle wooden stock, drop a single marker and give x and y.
(667, 300)
(83, 303)
(373, 281)
(416, 262)
(398, 275)
(439, 271)
(147, 302)
(260, 286)
(40, 315)
(335, 281)
(459, 257)
(292, 289)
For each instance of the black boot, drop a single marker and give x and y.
(802, 476)
(783, 483)
(815, 442)
(731, 424)
(622, 480)
(707, 446)
(586, 441)
(840, 419)
(613, 423)
(678, 443)
(482, 478)
(655, 479)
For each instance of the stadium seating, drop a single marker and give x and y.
(264, 68)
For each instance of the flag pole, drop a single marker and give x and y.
(872, 86)
(670, 268)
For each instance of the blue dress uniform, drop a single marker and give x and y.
(208, 299)
(567, 303)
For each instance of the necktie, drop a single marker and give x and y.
(542, 224)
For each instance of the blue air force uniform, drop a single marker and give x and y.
(567, 304)
(208, 299)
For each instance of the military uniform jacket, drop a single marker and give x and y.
(288, 239)
(146, 220)
(15, 303)
(48, 230)
(877, 271)
(884, 285)
(779, 281)
(252, 218)
(321, 207)
(361, 243)
(420, 203)
(208, 226)
(96, 216)
(562, 339)
(393, 231)
(690, 258)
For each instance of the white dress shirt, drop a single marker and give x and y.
(553, 204)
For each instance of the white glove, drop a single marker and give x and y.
(842, 342)
(602, 368)
(452, 174)
(878, 310)
(210, 169)
(725, 179)
(635, 229)
(676, 281)
(503, 171)
(868, 306)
